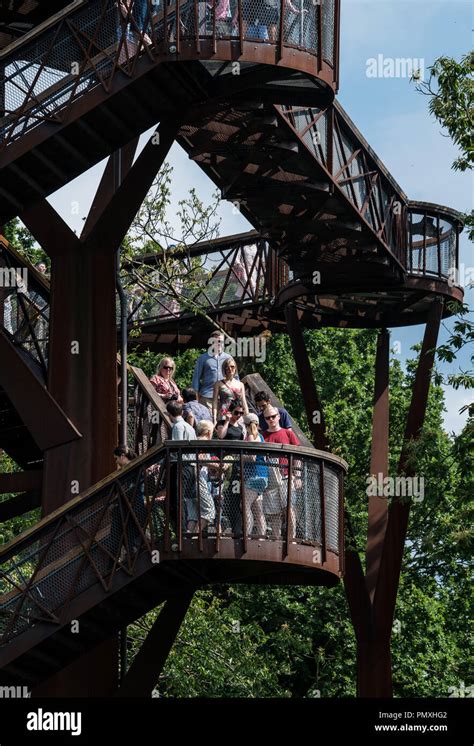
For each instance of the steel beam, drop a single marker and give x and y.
(20, 481)
(117, 167)
(308, 388)
(34, 404)
(116, 218)
(149, 662)
(391, 562)
(20, 504)
(378, 504)
(52, 233)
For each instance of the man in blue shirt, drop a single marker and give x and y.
(208, 369)
(262, 401)
(193, 411)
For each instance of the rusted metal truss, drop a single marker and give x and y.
(353, 168)
(218, 275)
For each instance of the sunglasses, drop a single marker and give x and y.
(236, 413)
(271, 416)
(167, 367)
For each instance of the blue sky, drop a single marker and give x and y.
(390, 114)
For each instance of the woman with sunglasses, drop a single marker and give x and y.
(228, 390)
(163, 381)
(230, 428)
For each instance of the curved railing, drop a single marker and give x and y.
(214, 276)
(91, 42)
(24, 304)
(183, 500)
(433, 241)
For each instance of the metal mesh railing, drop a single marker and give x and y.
(24, 306)
(170, 287)
(355, 171)
(433, 244)
(177, 497)
(89, 44)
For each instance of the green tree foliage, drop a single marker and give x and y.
(451, 91)
(298, 641)
(22, 240)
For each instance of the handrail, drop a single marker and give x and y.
(287, 508)
(110, 43)
(60, 15)
(151, 456)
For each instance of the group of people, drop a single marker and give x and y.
(260, 18)
(216, 407)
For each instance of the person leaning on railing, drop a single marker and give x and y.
(275, 498)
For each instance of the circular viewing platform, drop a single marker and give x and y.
(430, 262)
(282, 50)
(189, 513)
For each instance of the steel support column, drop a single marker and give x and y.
(373, 617)
(378, 504)
(311, 399)
(83, 355)
(390, 566)
(149, 662)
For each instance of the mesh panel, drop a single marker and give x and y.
(328, 20)
(301, 29)
(42, 77)
(223, 491)
(308, 504)
(25, 314)
(331, 494)
(432, 244)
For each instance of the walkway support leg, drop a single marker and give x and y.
(372, 598)
(144, 673)
(378, 504)
(312, 403)
(83, 358)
